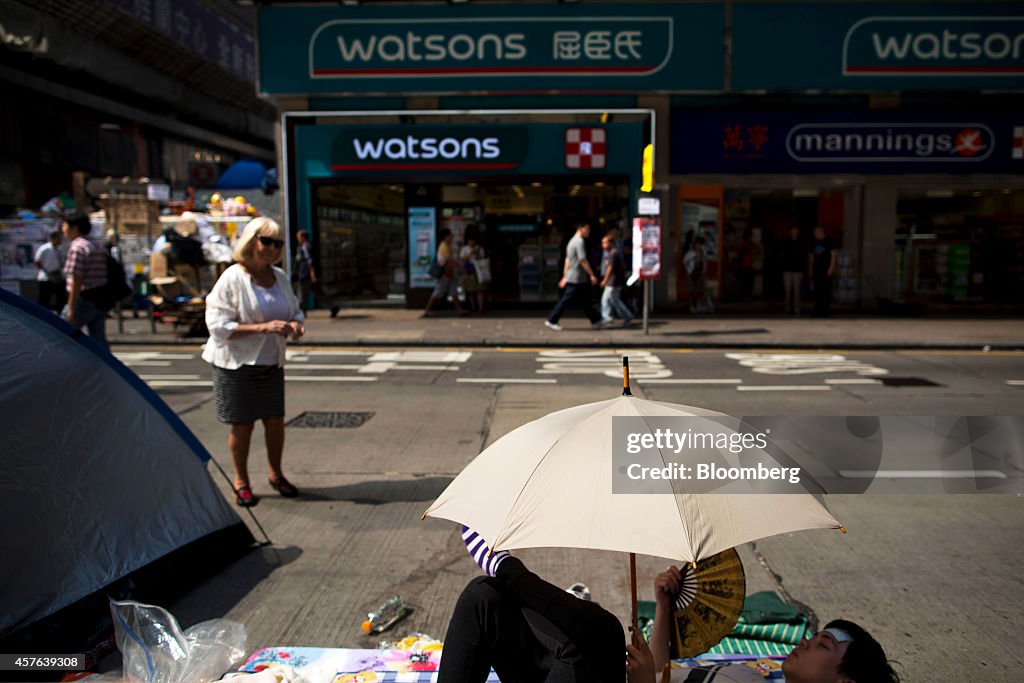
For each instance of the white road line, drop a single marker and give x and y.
(315, 378)
(321, 366)
(922, 474)
(146, 363)
(685, 381)
(504, 380)
(148, 378)
(785, 387)
(1015, 382)
(853, 381)
(149, 355)
(180, 383)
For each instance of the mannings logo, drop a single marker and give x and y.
(890, 142)
(935, 46)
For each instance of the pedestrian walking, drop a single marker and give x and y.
(448, 276)
(793, 270)
(612, 281)
(303, 273)
(474, 264)
(250, 312)
(821, 262)
(577, 280)
(85, 269)
(695, 264)
(50, 273)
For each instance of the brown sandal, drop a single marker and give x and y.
(284, 487)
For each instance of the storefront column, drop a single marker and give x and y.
(879, 233)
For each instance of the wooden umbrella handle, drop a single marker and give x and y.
(625, 377)
(632, 586)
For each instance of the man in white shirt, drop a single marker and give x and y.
(49, 273)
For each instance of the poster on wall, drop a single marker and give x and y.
(702, 217)
(646, 249)
(422, 245)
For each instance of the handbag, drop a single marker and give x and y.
(436, 270)
(482, 266)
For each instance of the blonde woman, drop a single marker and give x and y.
(250, 313)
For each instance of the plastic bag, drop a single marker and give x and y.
(156, 651)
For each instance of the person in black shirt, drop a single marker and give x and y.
(793, 270)
(822, 264)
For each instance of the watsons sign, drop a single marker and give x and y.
(429, 148)
(935, 46)
(890, 142)
(498, 47)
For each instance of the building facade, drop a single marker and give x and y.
(895, 127)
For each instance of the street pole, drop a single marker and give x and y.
(647, 293)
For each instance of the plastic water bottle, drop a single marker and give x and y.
(385, 616)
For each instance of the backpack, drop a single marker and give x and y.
(106, 296)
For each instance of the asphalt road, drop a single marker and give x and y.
(935, 577)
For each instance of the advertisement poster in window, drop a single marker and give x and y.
(422, 243)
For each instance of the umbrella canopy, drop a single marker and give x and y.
(549, 484)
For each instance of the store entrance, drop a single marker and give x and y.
(361, 237)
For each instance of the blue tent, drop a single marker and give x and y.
(103, 489)
(242, 175)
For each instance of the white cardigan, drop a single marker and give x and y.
(231, 303)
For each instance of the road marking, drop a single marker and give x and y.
(147, 378)
(321, 366)
(152, 355)
(642, 364)
(685, 381)
(852, 381)
(180, 383)
(1015, 382)
(147, 363)
(504, 380)
(302, 354)
(803, 364)
(922, 474)
(317, 378)
(784, 387)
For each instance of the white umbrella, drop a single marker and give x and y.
(549, 484)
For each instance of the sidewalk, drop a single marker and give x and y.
(400, 327)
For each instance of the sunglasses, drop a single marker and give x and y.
(271, 242)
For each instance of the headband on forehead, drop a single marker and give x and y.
(839, 635)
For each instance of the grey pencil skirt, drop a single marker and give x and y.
(248, 394)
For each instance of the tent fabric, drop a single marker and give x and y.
(99, 478)
(241, 175)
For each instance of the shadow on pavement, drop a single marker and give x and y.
(715, 333)
(382, 492)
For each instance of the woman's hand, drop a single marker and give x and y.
(277, 327)
(639, 659)
(666, 586)
(297, 329)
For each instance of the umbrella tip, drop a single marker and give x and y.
(843, 529)
(625, 377)
(423, 516)
(693, 566)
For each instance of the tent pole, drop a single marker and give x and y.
(249, 509)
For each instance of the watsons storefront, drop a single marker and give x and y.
(922, 209)
(374, 196)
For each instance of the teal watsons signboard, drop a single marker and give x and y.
(521, 48)
(923, 46)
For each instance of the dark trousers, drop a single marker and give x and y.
(530, 631)
(52, 295)
(822, 295)
(574, 293)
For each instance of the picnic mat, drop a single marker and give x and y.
(352, 665)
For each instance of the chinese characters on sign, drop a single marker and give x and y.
(622, 45)
(746, 141)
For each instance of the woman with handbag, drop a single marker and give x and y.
(478, 270)
(250, 313)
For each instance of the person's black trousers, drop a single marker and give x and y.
(530, 631)
(580, 293)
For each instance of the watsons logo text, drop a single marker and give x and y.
(432, 47)
(412, 147)
(892, 142)
(960, 46)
